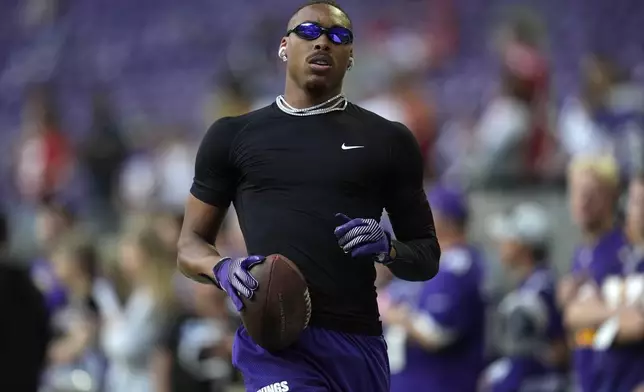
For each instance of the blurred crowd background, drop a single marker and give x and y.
(103, 103)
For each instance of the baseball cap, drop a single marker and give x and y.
(449, 202)
(527, 223)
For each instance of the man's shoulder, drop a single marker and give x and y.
(243, 120)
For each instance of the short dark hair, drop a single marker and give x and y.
(323, 2)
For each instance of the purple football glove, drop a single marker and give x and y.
(363, 237)
(234, 278)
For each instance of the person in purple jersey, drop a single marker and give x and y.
(531, 340)
(593, 191)
(619, 340)
(309, 176)
(435, 332)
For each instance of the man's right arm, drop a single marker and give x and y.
(212, 191)
(196, 252)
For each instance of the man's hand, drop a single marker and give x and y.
(363, 237)
(234, 277)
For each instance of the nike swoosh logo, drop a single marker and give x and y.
(345, 147)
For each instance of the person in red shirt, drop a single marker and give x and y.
(45, 153)
(526, 76)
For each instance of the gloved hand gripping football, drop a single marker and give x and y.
(234, 277)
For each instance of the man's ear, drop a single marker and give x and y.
(352, 61)
(281, 52)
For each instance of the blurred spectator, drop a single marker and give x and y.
(158, 176)
(443, 35)
(455, 140)
(138, 181)
(228, 98)
(53, 221)
(531, 335)
(45, 156)
(512, 139)
(625, 120)
(24, 330)
(174, 164)
(436, 329)
(579, 131)
(132, 331)
(196, 352)
(593, 183)
(103, 152)
(75, 363)
(168, 225)
(620, 337)
(607, 117)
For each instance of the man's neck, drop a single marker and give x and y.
(594, 235)
(300, 98)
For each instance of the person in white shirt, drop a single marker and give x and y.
(131, 332)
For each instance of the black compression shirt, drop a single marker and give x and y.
(288, 176)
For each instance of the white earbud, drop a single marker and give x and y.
(281, 53)
(352, 62)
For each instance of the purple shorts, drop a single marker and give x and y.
(321, 361)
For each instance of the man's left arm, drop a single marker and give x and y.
(415, 253)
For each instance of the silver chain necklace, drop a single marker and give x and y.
(337, 103)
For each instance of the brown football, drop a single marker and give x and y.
(280, 308)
